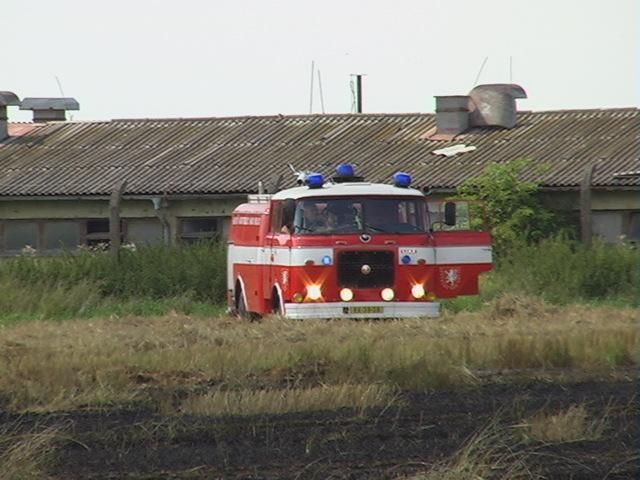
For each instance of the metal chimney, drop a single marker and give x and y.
(452, 114)
(49, 109)
(6, 99)
(494, 105)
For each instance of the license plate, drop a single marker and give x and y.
(364, 309)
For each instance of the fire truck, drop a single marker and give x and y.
(347, 248)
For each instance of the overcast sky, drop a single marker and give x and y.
(161, 58)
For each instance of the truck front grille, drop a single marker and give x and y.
(350, 265)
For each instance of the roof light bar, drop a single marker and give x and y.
(402, 180)
(314, 180)
(345, 170)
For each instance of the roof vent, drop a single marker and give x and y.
(49, 109)
(494, 105)
(6, 99)
(452, 114)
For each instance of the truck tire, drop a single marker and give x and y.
(276, 303)
(242, 310)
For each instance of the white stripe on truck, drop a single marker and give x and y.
(297, 257)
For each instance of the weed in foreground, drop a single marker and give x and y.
(494, 452)
(27, 455)
(570, 425)
(255, 402)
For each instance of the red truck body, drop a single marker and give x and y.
(396, 269)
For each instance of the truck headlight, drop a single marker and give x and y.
(417, 291)
(314, 292)
(346, 294)
(387, 294)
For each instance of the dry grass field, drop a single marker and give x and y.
(519, 389)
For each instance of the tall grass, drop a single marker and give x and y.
(561, 271)
(27, 455)
(84, 283)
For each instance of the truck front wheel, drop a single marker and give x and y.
(241, 306)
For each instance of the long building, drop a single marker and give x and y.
(183, 177)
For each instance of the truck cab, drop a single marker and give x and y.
(347, 248)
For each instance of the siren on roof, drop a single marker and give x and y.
(314, 180)
(345, 170)
(346, 173)
(402, 180)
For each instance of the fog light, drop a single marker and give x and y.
(346, 294)
(387, 294)
(314, 292)
(298, 297)
(417, 291)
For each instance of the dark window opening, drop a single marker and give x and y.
(193, 230)
(97, 233)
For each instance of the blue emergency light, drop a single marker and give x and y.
(314, 180)
(326, 260)
(345, 170)
(402, 180)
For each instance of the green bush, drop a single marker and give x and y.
(513, 210)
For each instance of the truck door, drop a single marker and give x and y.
(462, 247)
(278, 254)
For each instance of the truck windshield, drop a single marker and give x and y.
(355, 215)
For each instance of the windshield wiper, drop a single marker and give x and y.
(375, 229)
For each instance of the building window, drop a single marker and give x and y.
(61, 235)
(193, 230)
(634, 226)
(97, 232)
(144, 231)
(19, 235)
(608, 225)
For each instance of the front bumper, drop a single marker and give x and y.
(340, 310)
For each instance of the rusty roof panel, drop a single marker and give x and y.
(225, 155)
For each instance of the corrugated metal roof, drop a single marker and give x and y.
(230, 155)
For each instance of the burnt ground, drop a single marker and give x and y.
(388, 442)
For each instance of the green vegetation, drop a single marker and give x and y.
(535, 253)
(513, 210)
(561, 271)
(146, 281)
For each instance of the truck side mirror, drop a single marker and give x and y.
(450, 214)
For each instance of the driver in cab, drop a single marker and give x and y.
(312, 220)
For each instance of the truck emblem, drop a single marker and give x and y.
(365, 269)
(450, 278)
(365, 238)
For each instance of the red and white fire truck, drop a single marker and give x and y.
(346, 248)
